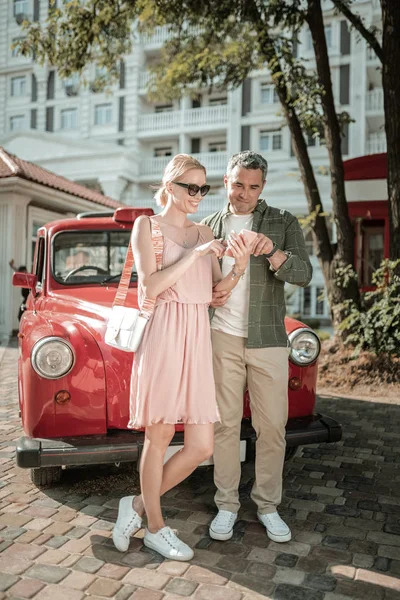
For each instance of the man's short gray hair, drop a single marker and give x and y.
(248, 160)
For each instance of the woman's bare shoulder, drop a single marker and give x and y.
(206, 232)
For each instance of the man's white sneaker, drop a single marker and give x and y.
(166, 543)
(221, 527)
(128, 522)
(277, 530)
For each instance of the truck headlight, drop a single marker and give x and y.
(304, 346)
(52, 357)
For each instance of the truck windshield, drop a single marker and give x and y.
(89, 257)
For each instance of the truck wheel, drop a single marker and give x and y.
(46, 476)
(290, 452)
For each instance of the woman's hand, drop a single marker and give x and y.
(214, 246)
(241, 251)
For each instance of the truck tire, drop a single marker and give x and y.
(45, 476)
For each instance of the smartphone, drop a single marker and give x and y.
(247, 235)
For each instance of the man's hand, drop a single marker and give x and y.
(262, 245)
(219, 299)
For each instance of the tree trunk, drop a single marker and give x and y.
(328, 262)
(344, 254)
(391, 86)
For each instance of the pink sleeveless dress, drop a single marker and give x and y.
(172, 374)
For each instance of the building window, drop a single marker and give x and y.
(17, 122)
(307, 301)
(18, 86)
(71, 85)
(164, 108)
(268, 94)
(166, 151)
(320, 301)
(69, 118)
(328, 35)
(270, 141)
(217, 147)
(222, 101)
(20, 7)
(14, 51)
(103, 114)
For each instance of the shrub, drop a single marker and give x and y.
(376, 327)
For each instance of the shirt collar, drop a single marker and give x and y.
(260, 207)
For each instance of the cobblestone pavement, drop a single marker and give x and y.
(341, 500)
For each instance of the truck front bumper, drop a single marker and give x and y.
(125, 446)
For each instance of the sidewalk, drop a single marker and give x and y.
(341, 500)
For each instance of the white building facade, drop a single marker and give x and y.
(119, 142)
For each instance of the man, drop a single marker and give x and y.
(250, 345)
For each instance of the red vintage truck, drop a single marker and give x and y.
(73, 388)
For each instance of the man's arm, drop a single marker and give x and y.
(297, 268)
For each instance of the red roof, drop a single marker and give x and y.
(12, 166)
(371, 166)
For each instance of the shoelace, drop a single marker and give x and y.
(224, 518)
(170, 537)
(132, 524)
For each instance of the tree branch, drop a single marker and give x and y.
(358, 24)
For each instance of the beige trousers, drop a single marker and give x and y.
(265, 370)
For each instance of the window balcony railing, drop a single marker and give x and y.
(376, 143)
(208, 116)
(374, 100)
(159, 121)
(214, 162)
(161, 34)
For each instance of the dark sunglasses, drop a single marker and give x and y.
(193, 188)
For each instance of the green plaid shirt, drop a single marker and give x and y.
(267, 308)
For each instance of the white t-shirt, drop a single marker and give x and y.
(233, 318)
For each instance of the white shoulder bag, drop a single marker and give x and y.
(126, 325)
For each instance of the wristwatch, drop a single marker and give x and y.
(274, 249)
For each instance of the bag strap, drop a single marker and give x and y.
(123, 286)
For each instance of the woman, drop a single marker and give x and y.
(172, 376)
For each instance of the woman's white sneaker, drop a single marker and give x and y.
(221, 527)
(166, 543)
(277, 530)
(128, 522)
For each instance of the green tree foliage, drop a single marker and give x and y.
(376, 326)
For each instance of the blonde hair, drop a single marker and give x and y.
(176, 167)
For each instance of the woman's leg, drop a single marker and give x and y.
(198, 446)
(157, 439)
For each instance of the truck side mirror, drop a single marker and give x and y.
(24, 280)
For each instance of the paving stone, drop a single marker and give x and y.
(382, 564)
(202, 575)
(359, 590)
(52, 592)
(126, 592)
(7, 580)
(26, 588)
(78, 580)
(143, 594)
(104, 587)
(140, 577)
(291, 576)
(183, 587)
(325, 583)
(47, 573)
(292, 547)
(15, 565)
(88, 564)
(286, 560)
(335, 542)
(285, 591)
(363, 560)
(249, 582)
